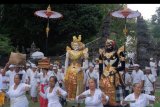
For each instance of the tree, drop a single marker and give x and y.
(19, 21)
(5, 45)
(23, 27)
(143, 42)
(154, 27)
(155, 23)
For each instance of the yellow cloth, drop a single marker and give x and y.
(107, 83)
(74, 78)
(2, 97)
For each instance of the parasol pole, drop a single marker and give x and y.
(47, 28)
(47, 32)
(48, 13)
(125, 33)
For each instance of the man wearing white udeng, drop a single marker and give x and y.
(153, 67)
(10, 73)
(137, 75)
(33, 82)
(149, 81)
(91, 73)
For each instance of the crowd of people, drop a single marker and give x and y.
(100, 82)
(16, 80)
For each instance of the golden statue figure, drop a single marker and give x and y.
(75, 64)
(111, 80)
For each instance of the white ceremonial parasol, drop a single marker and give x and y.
(48, 14)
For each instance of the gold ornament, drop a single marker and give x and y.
(75, 39)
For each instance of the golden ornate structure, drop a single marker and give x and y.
(74, 71)
(111, 78)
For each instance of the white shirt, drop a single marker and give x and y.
(53, 98)
(137, 76)
(33, 80)
(11, 75)
(61, 74)
(95, 100)
(148, 86)
(0, 82)
(24, 76)
(59, 77)
(28, 73)
(96, 67)
(41, 79)
(17, 96)
(93, 74)
(153, 68)
(5, 79)
(142, 101)
(159, 63)
(127, 80)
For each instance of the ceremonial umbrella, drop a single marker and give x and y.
(126, 13)
(49, 14)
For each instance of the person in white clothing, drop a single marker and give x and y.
(33, 82)
(137, 75)
(96, 65)
(91, 73)
(43, 79)
(5, 81)
(158, 68)
(93, 97)
(17, 92)
(10, 73)
(62, 72)
(137, 99)
(58, 75)
(153, 67)
(2, 95)
(28, 70)
(53, 93)
(19, 70)
(149, 81)
(127, 79)
(50, 70)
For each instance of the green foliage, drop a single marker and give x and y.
(24, 27)
(5, 45)
(117, 26)
(155, 24)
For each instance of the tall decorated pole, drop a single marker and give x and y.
(48, 14)
(125, 13)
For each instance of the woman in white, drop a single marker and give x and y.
(33, 82)
(53, 93)
(137, 99)
(93, 97)
(43, 85)
(17, 91)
